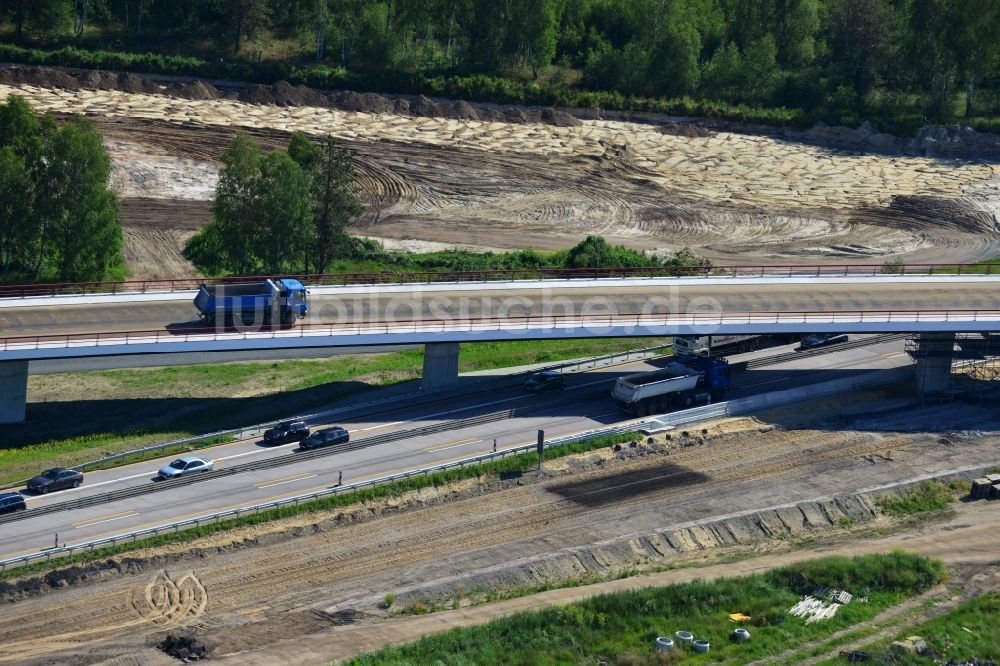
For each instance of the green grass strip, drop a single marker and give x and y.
(516, 464)
(622, 627)
(969, 630)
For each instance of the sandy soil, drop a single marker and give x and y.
(245, 591)
(734, 197)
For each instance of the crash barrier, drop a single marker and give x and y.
(809, 353)
(211, 518)
(731, 408)
(365, 408)
(754, 403)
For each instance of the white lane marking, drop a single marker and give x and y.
(281, 483)
(445, 447)
(272, 448)
(470, 407)
(894, 354)
(250, 453)
(766, 381)
(106, 520)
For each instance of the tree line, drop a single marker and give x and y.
(58, 219)
(796, 53)
(285, 211)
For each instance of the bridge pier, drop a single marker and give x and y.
(440, 365)
(13, 390)
(934, 354)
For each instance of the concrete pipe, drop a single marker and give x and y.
(741, 634)
(684, 637)
(664, 644)
(700, 646)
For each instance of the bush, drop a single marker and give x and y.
(896, 572)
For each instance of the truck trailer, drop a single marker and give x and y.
(682, 383)
(700, 345)
(269, 301)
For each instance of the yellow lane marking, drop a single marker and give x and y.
(453, 444)
(110, 515)
(105, 519)
(211, 511)
(280, 482)
(285, 478)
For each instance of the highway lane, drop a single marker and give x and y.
(314, 474)
(403, 417)
(62, 365)
(654, 296)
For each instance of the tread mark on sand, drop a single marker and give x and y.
(166, 601)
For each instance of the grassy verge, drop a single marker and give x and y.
(970, 630)
(929, 497)
(518, 464)
(78, 417)
(990, 267)
(622, 628)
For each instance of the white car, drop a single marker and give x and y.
(185, 465)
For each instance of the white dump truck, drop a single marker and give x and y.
(680, 384)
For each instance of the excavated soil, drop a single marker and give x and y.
(500, 178)
(595, 513)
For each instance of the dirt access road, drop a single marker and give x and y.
(274, 585)
(970, 537)
(440, 182)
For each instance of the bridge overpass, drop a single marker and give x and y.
(442, 315)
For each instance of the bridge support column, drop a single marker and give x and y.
(934, 355)
(440, 365)
(13, 390)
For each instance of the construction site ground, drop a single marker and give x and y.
(276, 588)
(433, 182)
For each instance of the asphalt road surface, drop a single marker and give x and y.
(657, 296)
(593, 409)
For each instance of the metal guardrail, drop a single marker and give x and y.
(353, 411)
(509, 324)
(739, 406)
(810, 353)
(278, 461)
(217, 517)
(342, 279)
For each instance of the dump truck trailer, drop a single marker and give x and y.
(268, 301)
(680, 384)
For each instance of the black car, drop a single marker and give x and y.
(57, 478)
(326, 437)
(547, 380)
(12, 502)
(288, 431)
(822, 340)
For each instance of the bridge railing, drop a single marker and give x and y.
(809, 320)
(421, 277)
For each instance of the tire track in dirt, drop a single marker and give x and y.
(399, 549)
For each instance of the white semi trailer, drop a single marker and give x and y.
(699, 345)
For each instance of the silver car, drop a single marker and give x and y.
(185, 465)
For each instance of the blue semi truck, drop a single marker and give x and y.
(268, 302)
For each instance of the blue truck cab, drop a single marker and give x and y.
(269, 301)
(716, 375)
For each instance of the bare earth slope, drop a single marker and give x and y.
(733, 197)
(248, 590)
